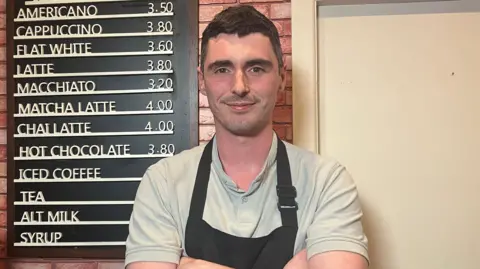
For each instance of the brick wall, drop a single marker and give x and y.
(277, 10)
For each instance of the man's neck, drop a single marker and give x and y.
(243, 158)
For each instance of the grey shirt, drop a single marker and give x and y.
(329, 214)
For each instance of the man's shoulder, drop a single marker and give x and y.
(312, 171)
(180, 165)
(313, 162)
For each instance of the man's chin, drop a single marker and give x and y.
(243, 129)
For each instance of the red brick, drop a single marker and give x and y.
(280, 98)
(3, 202)
(3, 103)
(3, 71)
(3, 243)
(202, 100)
(2, 21)
(3, 169)
(290, 133)
(111, 265)
(259, 1)
(279, 25)
(3, 236)
(206, 2)
(201, 28)
(264, 9)
(280, 11)
(3, 87)
(205, 116)
(288, 78)
(281, 130)
(3, 54)
(3, 136)
(288, 62)
(3, 185)
(3, 37)
(282, 114)
(288, 97)
(2, 6)
(286, 43)
(206, 132)
(207, 12)
(3, 152)
(287, 27)
(3, 218)
(74, 265)
(31, 265)
(3, 119)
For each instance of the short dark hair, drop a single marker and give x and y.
(241, 20)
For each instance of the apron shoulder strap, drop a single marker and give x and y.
(199, 193)
(286, 192)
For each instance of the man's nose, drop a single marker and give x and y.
(240, 86)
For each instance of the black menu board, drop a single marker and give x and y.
(98, 91)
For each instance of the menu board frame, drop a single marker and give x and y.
(188, 56)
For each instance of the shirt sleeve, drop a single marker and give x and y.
(336, 224)
(153, 234)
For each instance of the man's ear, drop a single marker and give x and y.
(201, 81)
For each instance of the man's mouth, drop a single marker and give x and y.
(240, 106)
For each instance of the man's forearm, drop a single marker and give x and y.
(299, 261)
(191, 263)
(336, 260)
(151, 265)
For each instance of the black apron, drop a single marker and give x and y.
(268, 252)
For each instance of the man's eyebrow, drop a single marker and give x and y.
(262, 62)
(219, 63)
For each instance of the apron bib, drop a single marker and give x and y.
(272, 251)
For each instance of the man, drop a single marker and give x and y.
(246, 200)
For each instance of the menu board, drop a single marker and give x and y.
(98, 91)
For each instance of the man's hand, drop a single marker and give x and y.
(190, 263)
(299, 261)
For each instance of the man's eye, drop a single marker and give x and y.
(221, 70)
(257, 69)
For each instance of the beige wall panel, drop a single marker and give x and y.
(400, 107)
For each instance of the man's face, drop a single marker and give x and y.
(241, 80)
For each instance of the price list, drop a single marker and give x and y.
(98, 90)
